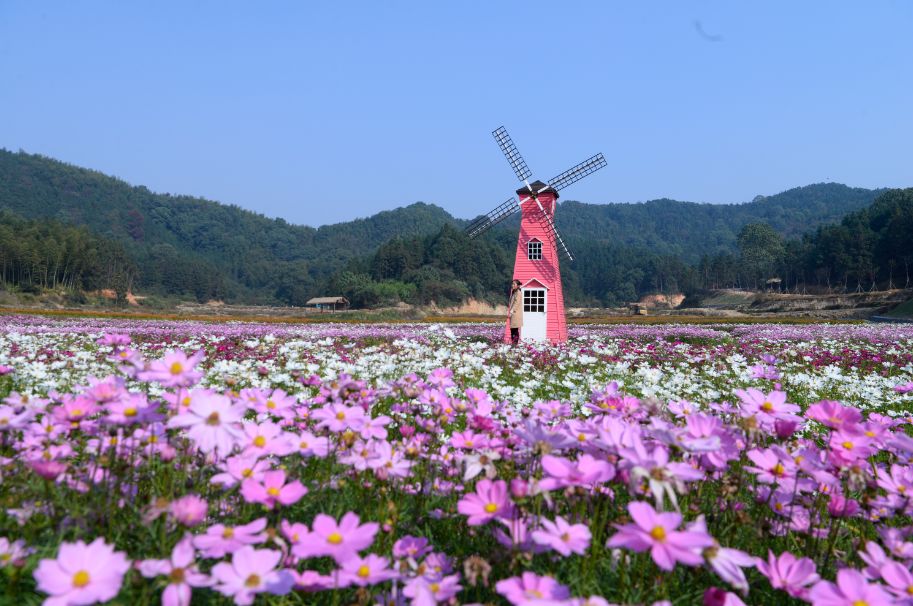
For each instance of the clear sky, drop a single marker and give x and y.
(320, 112)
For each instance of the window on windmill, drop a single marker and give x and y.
(534, 250)
(534, 300)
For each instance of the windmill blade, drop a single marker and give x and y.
(572, 175)
(510, 152)
(486, 222)
(558, 240)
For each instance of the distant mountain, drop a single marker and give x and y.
(190, 245)
(690, 230)
(186, 245)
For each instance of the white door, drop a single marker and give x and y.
(534, 302)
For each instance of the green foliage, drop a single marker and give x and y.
(179, 246)
(39, 255)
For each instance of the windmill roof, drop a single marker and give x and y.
(537, 185)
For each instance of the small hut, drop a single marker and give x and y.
(773, 284)
(329, 303)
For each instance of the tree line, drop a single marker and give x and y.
(36, 255)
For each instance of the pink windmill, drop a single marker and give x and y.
(536, 264)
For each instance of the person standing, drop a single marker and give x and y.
(515, 311)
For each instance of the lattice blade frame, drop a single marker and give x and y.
(495, 216)
(572, 175)
(513, 156)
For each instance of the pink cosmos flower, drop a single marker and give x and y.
(425, 592)
(82, 574)
(175, 369)
(586, 471)
(530, 588)
(563, 537)
(189, 510)
(272, 490)
(212, 422)
(788, 573)
(899, 580)
(340, 541)
(252, 571)
(13, 552)
(339, 417)
(726, 562)
(267, 439)
(310, 445)
(657, 532)
(220, 539)
(489, 501)
(715, 596)
(772, 465)
(370, 570)
(766, 407)
(904, 388)
(239, 468)
(181, 572)
(834, 414)
(851, 589)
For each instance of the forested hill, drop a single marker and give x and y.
(190, 246)
(690, 230)
(186, 245)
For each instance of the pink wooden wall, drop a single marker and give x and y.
(545, 271)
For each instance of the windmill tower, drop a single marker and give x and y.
(536, 264)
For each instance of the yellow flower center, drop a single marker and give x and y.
(340, 415)
(491, 508)
(252, 581)
(860, 603)
(273, 491)
(658, 533)
(364, 571)
(259, 441)
(81, 579)
(848, 445)
(228, 532)
(129, 412)
(778, 469)
(153, 439)
(565, 537)
(303, 445)
(767, 406)
(334, 539)
(435, 587)
(870, 434)
(176, 368)
(77, 412)
(246, 473)
(213, 419)
(270, 404)
(185, 401)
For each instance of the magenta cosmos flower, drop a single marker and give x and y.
(272, 490)
(657, 532)
(563, 537)
(851, 589)
(252, 571)
(180, 571)
(220, 539)
(370, 570)
(489, 501)
(530, 588)
(212, 422)
(174, 370)
(82, 574)
(340, 541)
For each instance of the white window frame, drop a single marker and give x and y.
(534, 250)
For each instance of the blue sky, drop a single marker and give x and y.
(320, 112)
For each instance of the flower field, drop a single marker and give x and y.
(146, 462)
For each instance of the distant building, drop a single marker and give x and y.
(329, 303)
